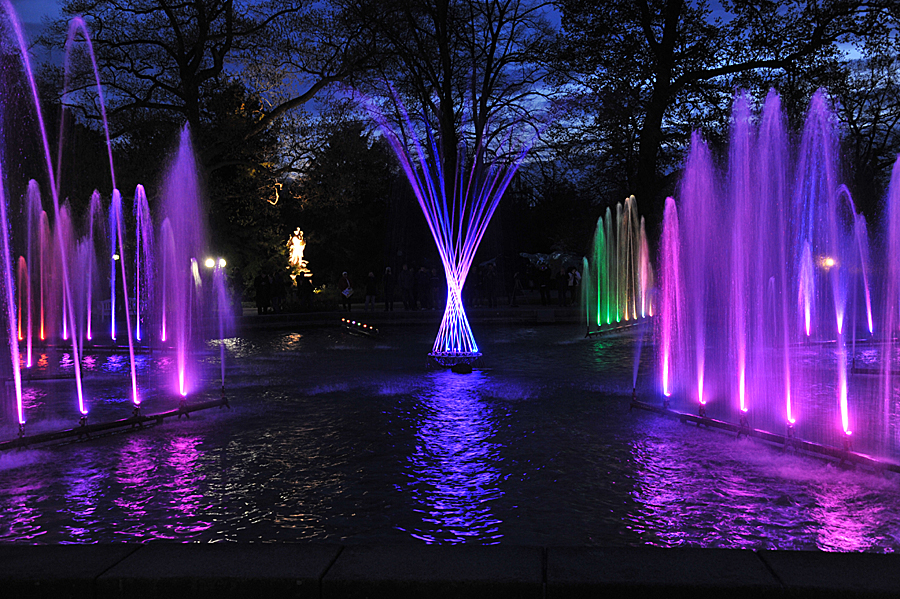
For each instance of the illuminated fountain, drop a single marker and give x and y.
(767, 288)
(457, 215)
(54, 288)
(617, 276)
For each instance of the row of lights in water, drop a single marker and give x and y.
(359, 324)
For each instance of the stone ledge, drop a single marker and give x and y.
(58, 571)
(820, 574)
(435, 571)
(226, 570)
(653, 572)
(219, 571)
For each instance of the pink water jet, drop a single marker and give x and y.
(55, 268)
(765, 262)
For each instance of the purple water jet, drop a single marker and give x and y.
(56, 265)
(143, 258)
(184, 243)
(767, 283)
(458, 207)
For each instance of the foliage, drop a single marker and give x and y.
(654, 70)
(168, 58)
(237, 71)
(470, 70)
(341, 203)
(869, 110)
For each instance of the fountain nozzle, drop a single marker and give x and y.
(182, 408)
(745, 425)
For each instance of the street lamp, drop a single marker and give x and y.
(213, 263)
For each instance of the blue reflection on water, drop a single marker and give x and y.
(116, 363)
(453, 468)
(84, 490)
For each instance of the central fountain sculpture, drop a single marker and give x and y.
(457, 219)
(52, 285)
(768, 291)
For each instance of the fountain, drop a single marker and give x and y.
(52, 263)
(458, 222)
(767, 289)
(617, 276)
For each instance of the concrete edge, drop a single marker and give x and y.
(225, 570)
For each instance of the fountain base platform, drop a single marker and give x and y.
(843, 455)
(451, 359)
(84, 430)
(617, 327)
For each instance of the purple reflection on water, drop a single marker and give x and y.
(32, 397)
(115, 363)
(754, 498)
(137, 477)
(453, 473)
(186, 497)
(84, 491)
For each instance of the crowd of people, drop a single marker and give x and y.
(421, 288)
(425, 289)
(273, 292)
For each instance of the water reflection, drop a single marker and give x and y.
(116, 363)
(846, 517)
(20, 518)
(186, 496)
(137, 475)
(33, 397)
(82, 495)
(453, 468)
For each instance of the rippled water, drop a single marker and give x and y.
(341, 438)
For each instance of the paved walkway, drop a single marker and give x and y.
(226, 570)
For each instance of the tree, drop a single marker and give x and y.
(667, 64)
(246, 212)
(471, 70)
(167, 57)
(869, 108)
(341, 203)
